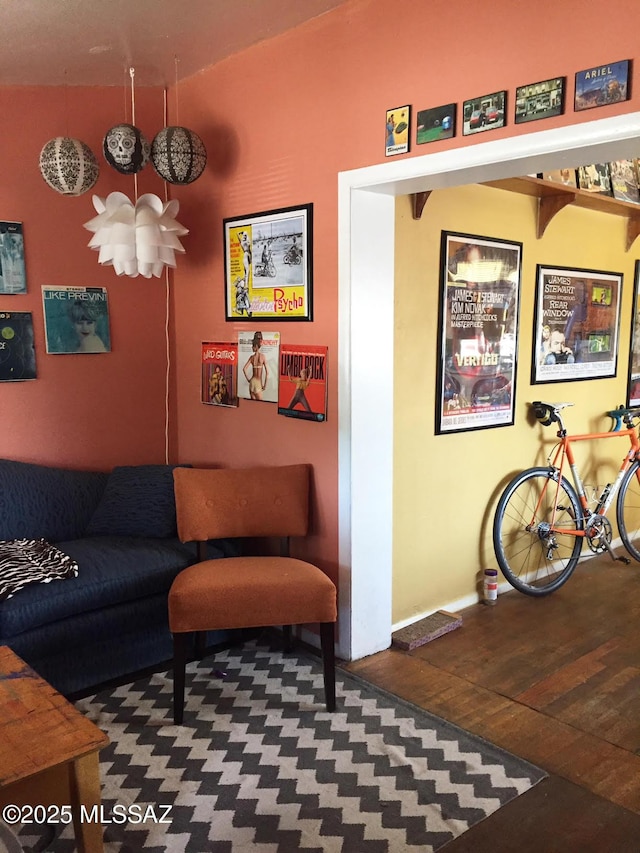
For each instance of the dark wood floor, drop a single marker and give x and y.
(554, 680)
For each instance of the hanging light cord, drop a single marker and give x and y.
(166, 328)
(132, 74)
(177, 122)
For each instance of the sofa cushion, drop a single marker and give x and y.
(112, 570)
(137, 501)
(49, 503)
(27, 561)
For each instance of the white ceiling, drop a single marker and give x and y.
(96, 42)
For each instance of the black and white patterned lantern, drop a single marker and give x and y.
(68, 165)
(178, 155)
(126, 149)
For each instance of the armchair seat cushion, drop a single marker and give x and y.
(247, 592)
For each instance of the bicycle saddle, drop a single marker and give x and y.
(547, 413)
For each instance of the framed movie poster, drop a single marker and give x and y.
(477, 332)
(633, 384)
(576, 324)
(269, 265)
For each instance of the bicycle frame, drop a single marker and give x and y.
(564, 453)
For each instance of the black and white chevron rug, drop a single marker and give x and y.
(259, 765)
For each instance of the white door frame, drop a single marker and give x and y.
(366, 238)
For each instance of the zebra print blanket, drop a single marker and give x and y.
(27, 561)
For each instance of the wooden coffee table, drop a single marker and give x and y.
(48, 752)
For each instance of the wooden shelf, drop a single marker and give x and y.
(554, 197)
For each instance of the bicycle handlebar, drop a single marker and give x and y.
(549, 413)
(623, 415)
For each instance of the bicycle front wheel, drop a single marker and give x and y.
(534, 559)
(628, 510)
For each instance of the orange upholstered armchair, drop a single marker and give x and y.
(247, 592)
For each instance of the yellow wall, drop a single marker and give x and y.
(446, 486)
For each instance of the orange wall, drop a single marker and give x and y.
(279, 120)
(84, 411)
(283, 118)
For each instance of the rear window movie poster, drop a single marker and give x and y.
(576, 325)
(17, 350)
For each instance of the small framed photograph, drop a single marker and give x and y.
(561, 176)
(605, 84)
(435, 124)
(624, 181)
(484, 113)
(269, 265)
(576, 324)
(397, 133)
(595, 178)
(540, 100)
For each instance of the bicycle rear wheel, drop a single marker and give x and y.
(532, 558)
(628, 511)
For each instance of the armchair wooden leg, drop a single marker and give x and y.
(201, 644)
(327, 640)
(180, 645)
(287, 641)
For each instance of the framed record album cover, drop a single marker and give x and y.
(76, 319)
(302, 386)
(17, 350)
(13, 274)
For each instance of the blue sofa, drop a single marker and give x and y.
(120, 529)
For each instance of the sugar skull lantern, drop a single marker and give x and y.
(126, 149)
(178, 155)
(68, 165)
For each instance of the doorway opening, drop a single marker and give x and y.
(366, 261)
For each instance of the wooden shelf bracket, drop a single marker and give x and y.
(419, 201)
(548, 206)
(633, 229)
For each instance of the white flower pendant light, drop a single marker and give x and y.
(139, 239)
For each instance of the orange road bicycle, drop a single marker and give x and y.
(542, 517)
